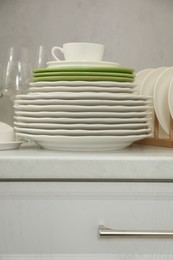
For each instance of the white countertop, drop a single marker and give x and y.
(135, 162)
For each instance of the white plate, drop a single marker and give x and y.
(170, 98)
(83, 143)
(82, 114)
(147, 88)
(79, 132)
(83, 83)
(10, 145)
(73, 108)
(86, 102)
(160, 97)
(81, 89)
(64, 63)
(82, 126)
(62, 120)
(140, 76)
(85, 95)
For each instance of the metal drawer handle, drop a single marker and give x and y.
(108, 232)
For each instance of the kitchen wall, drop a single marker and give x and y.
(136, 33)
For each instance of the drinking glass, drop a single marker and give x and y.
(16, 54)
(17, 72)
(16, 79)
(42, 57)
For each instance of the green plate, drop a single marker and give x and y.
(83, 73)
(86, 68)
(81, 78)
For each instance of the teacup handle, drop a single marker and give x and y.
(53, 51)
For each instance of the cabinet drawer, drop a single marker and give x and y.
(63, 218)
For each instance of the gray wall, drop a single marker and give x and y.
(136, 33)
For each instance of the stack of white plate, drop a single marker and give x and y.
(82, 121)
(89, 107)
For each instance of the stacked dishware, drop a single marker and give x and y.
(158, 83)
(82, 106)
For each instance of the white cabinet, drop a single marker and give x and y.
(60, 220)
(51, 204)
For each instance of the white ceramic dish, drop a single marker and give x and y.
(170, 98)
(86, 102)
(81, 51)
(82, 126)
(140, 76)
(73, 108)
(83, 143)
(160, 97)
(86, 120)
(57, 64)
(79, 132)
(147, 86)
(52, 114)
(81, 89)
(101, 96)
(6, 133)
(83, 83)
(10, 145)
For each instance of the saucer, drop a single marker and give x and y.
(65, 63)
(10, 145)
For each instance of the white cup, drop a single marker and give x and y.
(6, 133)
(80, 51)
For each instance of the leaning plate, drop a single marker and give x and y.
(73, 108)
(161, 98)
(170, 98)
(11, 145)
(147, 86)
(140, 76)
(81, 89)
(83, 143)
